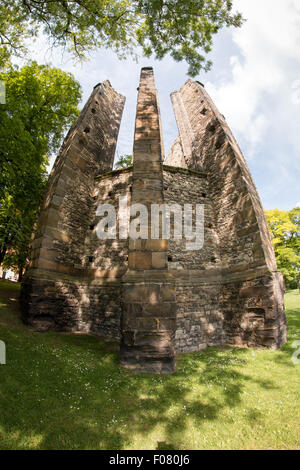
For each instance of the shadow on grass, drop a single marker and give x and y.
(63, 391)
(10, 314)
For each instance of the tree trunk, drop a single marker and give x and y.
(2, 254)
(3, 249)
(20, 274)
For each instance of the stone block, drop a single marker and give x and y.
(161, 309)
(151, 156)
(53, 217)
(139, 260)
(167, 294)
(159, 260)
(137, 293)
(156, 245)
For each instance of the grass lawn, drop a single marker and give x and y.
(60, 391)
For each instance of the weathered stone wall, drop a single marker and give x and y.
(253, 311)
(176, 157)
(186, 134)
(216, 308)
(243, 231)
(199, 320)
(61, 302)
(105, 258)
(190, 187)
(58, 246)
(88, 149)
(244, 242)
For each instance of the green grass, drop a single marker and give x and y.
(60, 391)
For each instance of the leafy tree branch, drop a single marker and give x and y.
(183, 29)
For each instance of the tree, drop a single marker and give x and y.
(184, 29)
(41, 102)
(17, 226)
(285, 231)
(124, 161)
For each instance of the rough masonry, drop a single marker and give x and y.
(153, 295)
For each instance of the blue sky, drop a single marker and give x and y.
(255, 82)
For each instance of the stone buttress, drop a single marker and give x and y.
(243, 280)
(56, 289)
(148, 319)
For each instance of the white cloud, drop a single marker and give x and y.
(295, 96)
(268, 39)
(261, 96)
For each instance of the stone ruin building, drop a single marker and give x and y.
(154, 296)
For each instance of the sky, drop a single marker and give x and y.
(254, 81)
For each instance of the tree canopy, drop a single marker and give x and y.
(41, 102)
(124, 161)
(184, 29)
(285, 231)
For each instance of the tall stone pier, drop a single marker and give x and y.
(149, 309)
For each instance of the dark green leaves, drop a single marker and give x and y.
(183, 29)
(41, 102)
